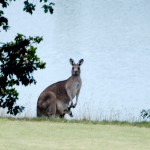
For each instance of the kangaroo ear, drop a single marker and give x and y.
(71, 61)
(80, 62)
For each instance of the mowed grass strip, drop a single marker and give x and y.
(49, 135)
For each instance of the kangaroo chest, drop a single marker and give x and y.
(73, 88)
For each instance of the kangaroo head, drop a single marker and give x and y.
(76, 67)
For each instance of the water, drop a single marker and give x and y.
(113, 39)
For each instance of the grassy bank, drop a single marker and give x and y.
(56, 134)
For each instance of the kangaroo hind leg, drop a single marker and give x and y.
(51, 109)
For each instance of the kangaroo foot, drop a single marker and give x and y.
(71, 115)
(68, 111)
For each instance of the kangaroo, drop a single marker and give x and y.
(57, 99)
(68, 111)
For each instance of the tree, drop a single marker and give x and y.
(18, 59)
(28, 7)
(145, 113)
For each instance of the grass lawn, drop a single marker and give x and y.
(24, 134)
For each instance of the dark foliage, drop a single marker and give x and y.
(145, 113)
(18, 59)
(29, 7)
(3, 21)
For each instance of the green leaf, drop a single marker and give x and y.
(1, 12)
(29, 7)
(18, 61)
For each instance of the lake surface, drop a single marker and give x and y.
(113, 37)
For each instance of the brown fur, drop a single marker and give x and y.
(54, 100)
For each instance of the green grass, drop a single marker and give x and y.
(56, 134)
